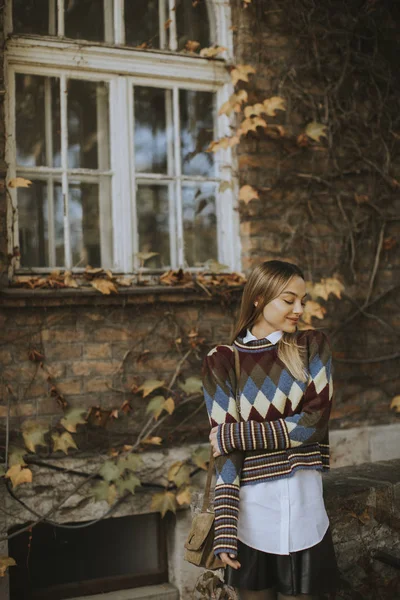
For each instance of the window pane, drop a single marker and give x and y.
(37, 120)
(152, 135)
(153, 218)
(33, 220)
(32, 16)
(88, 132)
(142, 23)
(84, 19)
(199, 223)
(197, 131)
(91, 233)
(192, 23)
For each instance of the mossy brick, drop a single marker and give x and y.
(91, 351)
(93, 367)
(62, 352)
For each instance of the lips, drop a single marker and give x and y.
(293, 320)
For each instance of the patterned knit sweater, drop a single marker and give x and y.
(282, 426)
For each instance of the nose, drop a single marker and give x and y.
(298, 308)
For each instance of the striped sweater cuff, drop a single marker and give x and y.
(226, 508)
(251, 435)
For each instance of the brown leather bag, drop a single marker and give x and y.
(200, 541)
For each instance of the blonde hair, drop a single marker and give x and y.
(265, 283)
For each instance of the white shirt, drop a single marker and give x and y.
(283, 515)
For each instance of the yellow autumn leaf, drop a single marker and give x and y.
(255, 110)
(192, 46)
(241, 73)
(179, 473)
(200, 457)
(19, 475)
(223, 144)
(316, 130)
(5, 562)
(212, 52)
(18, 182)
(313, 309)
(184, 496)
(16, 456)
(325, 287)
(73, 417)
(169, 405)
(167, 24)
(143, 256)
(33, 433)
(247, 193)
(395, 404)
(154, 441)
(271, 105)
(63, 442)
(124, 281)
(105, 286)
(69, 281)
(234, 103)
(163, 502)
(251, 124)
(149, 386)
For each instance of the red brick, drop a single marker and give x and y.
(109, 334)
(19, 410)
(69, 386)
(63, 335)
(97, 351)
(97, 384)
(62, 352)
(93, 367)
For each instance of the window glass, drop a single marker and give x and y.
(199, 223)
(33, 16)
(33, 220)
(152, 135)
(142, 26)
(88, 139)
(153, 219)
(192, 23)
(84, 19)
(197, 131)
(37, 120)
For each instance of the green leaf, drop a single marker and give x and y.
(16, 456)
(156, 406)
(72, 418)
(200, 457)
(179, 473)
(63, 442)
(33, 433)
(128, 483)
(192, 385)
(131, 462)
(149, 386)
(103, 492)
(109, 471)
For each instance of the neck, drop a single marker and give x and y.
(261, 330)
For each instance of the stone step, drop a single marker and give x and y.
(163, 591)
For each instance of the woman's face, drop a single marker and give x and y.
(283, 312)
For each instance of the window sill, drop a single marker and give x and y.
(22, 297)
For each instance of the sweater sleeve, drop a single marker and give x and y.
(306, 427)
(219, 393)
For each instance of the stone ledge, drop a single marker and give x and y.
(164, 591)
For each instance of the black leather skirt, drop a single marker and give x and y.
(310, 571)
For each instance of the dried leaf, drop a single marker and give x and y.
(154, 441)
(225, 185)
(395, 404)
(313, 309)
(5, 562)
(201, 457)
(192, 46)
(234, 103)
(18, 182)
(248, 193)
(125, 281)
(241, 73)
(90, 271)
(72, 418)
(327, 286)
(251, 124)
(167, 24)
(19, 475)
(105, 286)
(149, 386)
(316, 130)
(212, 52)
(179, 473)
(271, 105)
(169, 405)
(192, 385)
(184, 496)
(33, 433)
(223, 144)
(214, 266)
(109, 471)
(63, 442)
(69, 281)
(143, 256)
(128, 483)
(163, 502)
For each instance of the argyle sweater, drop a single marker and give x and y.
(282, 426)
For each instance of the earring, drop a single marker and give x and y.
(255, 303)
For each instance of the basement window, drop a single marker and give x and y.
(114, 554)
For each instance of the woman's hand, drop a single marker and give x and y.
(214, 442)
(229, 559)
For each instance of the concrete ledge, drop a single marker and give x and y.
(163, 591)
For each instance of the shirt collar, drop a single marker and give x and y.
(273, 337)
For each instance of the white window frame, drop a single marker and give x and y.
(122, 68)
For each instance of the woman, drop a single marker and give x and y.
(270, 441)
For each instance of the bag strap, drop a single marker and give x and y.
(210, 472)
